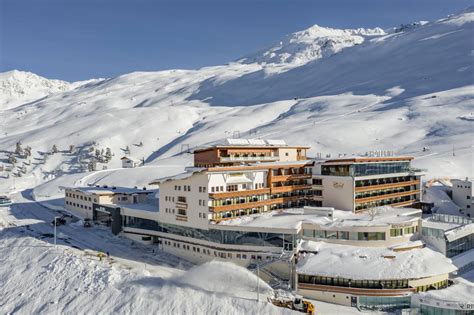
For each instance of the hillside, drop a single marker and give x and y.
(400, 91)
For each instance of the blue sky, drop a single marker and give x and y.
(77, 40)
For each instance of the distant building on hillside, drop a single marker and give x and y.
(462, 195)
(129, 162)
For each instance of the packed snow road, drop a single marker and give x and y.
(37, 219)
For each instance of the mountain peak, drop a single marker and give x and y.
(310, 44)
(18, 87)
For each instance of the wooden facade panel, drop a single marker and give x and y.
(255, 204)
(276, 190)
(284, 178)
(240, 193)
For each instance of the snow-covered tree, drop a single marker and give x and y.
(54, 149)
(108, 155)
(27, 151)
(12, 159)
(372, 212)
(92, 165)
(18, 149)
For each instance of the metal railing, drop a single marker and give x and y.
(248, 158)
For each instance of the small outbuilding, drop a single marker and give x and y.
(129, 162)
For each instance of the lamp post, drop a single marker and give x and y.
(258, 283)
(55, 218)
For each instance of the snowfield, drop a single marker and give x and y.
(399, 90)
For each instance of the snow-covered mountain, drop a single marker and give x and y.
(19, 87)
(398, 91)
(311, 44)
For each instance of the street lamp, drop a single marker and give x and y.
(55, 218)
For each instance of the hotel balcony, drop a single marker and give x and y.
(284, 178)
(248, 158)
(255, 204)
(239, 193)
(282, 189)
(387, 196)
(387, 185)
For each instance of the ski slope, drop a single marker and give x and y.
(389, 90)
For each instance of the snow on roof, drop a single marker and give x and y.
(130, 158)
(110, 190)
(455, 227)
(256, 143)
(462, 291)
(188, 173)
(293, 218)
(464, 258)
(370, 263)
(151, 205)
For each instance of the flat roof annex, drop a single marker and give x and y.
(368, 159)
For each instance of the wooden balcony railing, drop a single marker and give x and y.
(387, 196)
(384, 186)
(240, 193)
(255, 204)
(284, 178)
(282, 189)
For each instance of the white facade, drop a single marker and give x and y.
(128, 162)
(462, 195)
(338, 192)
(185, 201)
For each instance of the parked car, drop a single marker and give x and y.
(87, 222)
(5, 201)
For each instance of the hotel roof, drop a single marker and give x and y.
(249, 143)
(110, 190)
(294, 218)
(365, 159)
(370, 263)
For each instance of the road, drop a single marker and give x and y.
(33, 219)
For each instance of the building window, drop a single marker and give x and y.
(212, 189)
(181, 212)
(181, 199)
(396, 232)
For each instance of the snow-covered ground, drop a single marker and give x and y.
(38, 277)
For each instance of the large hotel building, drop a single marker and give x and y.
(264, 202)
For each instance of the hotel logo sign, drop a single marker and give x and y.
(337, 185)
